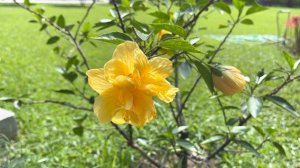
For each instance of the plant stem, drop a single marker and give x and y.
(84, 18)
(119, 15)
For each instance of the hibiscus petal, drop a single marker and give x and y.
(105, 108)
(160, 87)
(125, 53)
(97, 81)
(161, 67)
(114, 68)
(143, 109)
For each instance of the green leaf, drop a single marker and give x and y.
(283, 104)
(114, 37)
(185, 69)
(140, 26)
(138, 5)
(160, 15)
(179, 129)
(279, 148)
(61, 21)
(254, 105)
(186, 145)
(78, 130)
(223, 6)
(65, 91)
(296, 64)
(232, 121)
(72, 61)
(259, 130)
(71, 76)
(239, 129)
(52, 40)
(170, 27)
(205, 72)
(254, 9)
(178, 44)
(289, 59)
(141, 35)
(247, 146)
(26, 2)
(247, 22)
(239, 5)
(79, 120)
(213, 139)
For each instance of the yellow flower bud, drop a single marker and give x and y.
(229, 81)
(163, 32)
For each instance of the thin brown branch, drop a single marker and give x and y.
(245, 120)
(193, 21)
(42, 16)
(62, 103)
(223, 41)
(84, 18)
(119, 15)
(134, 146)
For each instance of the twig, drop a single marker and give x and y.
(193, 21)
(62, 103)
(119, 15)
(60, 29)
(42, 16)
(223, 41)
(84, 18)
(245, 120)
(135, 146)
(189, 94)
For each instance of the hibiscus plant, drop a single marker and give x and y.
(141, 84)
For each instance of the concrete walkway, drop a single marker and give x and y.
(57, 1)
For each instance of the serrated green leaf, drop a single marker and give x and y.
(281, 102)
(247, 22)
(52, 40)
(247, 146)
(114, 37)
(178, 44)
(223, 6)
(169, 27)
(205, 72)
(254, 106)
(213, 139)
(279, 148)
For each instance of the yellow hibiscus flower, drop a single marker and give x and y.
(231, 80)
(127, 84)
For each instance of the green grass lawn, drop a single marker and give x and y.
(46, 139)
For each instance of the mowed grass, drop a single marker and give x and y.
(46, 139)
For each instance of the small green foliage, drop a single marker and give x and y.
(114, 37)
